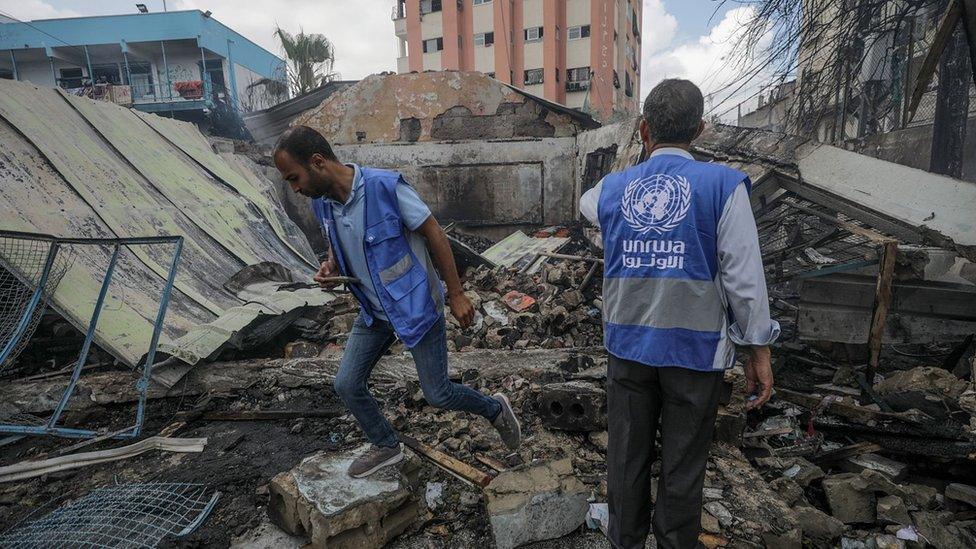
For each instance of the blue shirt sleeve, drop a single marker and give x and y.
(413, 210)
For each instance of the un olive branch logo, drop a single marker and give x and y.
(658, 203)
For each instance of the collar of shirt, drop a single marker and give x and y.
(357, 185)
(672, 150)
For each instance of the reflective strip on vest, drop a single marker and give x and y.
(663, 303)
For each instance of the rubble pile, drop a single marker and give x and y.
(521, 311)
(891, 468)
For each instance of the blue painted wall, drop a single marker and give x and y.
(141, 27)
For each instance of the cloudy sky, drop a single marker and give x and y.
(682, 38)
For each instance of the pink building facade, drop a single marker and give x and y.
(583, 54)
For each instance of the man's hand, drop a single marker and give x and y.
(328, 269)
(759, 376)
(462, 309)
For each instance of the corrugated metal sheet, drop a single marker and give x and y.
(74, 167)
(265, 126)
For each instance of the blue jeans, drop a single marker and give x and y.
(364, 348)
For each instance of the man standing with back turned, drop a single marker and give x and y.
(380, 233)
(683, 284)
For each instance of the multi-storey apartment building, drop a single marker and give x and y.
(581, 53)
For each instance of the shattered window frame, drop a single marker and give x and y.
(578, 74)
(529, 78)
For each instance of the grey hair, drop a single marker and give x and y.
(673, 111)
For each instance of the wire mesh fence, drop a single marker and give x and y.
(23, 299)
(801, 238)
(107, 287)
(125, 515)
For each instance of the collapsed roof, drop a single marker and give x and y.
(74, 167)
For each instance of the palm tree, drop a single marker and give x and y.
(311, 58)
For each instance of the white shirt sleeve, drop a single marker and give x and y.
(590, 202)
(742, 276)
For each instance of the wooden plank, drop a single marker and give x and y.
(852, 412)
(882, 302)
(268, 415)
(448, 463)
(491, 463)
(570, 257)
(841, 454)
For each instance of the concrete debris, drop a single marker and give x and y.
(319, 501)
(935, 380)
(574, 406)
(536, 503)
(434, 495)
(892, 510)
(598, 517)
(961, 492)
(849, 501)
(817, 524)
(895, 470)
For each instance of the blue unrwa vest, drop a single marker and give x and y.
(663, 302)
(398, 276)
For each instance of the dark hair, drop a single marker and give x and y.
(301, 142)
(673, 111)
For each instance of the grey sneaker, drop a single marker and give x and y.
(376, 458)
(507, 424)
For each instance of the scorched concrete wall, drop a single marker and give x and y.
(501, 183)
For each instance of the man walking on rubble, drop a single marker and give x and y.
(683, 284)
(380, 232)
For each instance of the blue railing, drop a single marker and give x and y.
(40, 295)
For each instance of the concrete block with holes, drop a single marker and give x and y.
(573, 406)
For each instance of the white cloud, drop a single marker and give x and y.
(710, 62)
(361, 31)
(659, 27)
(25, 10)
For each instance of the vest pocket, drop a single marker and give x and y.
(402, 286)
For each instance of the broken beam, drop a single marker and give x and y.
(882, 302)
(268, 415)
(859, 414)
(570, 257)
(931, 62)
(454, 466)
(841, 454)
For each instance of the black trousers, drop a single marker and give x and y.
(681, 403)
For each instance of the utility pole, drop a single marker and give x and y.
(952, 107)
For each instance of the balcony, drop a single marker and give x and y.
(400, 27)
(180, 96)
(577, 86)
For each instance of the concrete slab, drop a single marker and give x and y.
(319, 500)
(536, 503)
